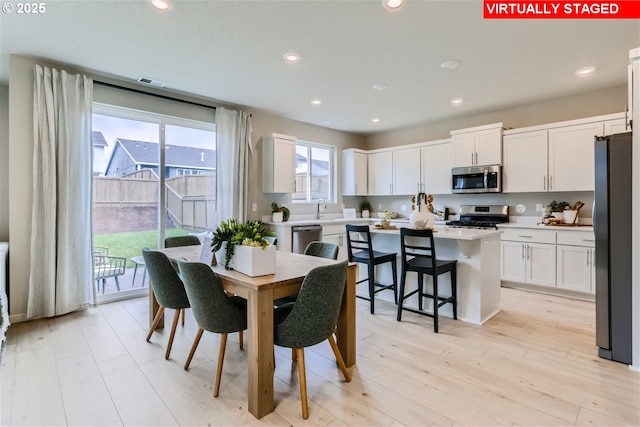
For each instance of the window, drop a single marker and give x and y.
(154, 176)
(314, 172)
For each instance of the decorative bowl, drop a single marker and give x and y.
(387, 215)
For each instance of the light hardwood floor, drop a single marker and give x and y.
(535, 363)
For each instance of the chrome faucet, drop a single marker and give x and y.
(324, 206)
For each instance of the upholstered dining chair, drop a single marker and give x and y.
(312, 319)
(319, 249)
(213, 309)
(168, 290)
(189, 240)
(322, 249)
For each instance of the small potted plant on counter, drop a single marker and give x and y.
(557, 208)
(365, 208)
(279, 213)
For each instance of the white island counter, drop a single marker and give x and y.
(478, 271)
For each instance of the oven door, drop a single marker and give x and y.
(477, 179)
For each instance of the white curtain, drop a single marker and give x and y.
(61, 271)
(234, 153)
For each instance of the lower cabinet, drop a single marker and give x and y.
(337, 235)
(554, 259)
(576, 261)
(532, 263)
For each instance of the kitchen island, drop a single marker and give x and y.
(478, 271)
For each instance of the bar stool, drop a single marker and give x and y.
(420, 246)
(360, 249)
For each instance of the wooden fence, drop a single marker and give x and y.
(190, 199)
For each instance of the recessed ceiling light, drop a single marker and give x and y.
(375, 120)
(393, 4)
(291, 57)
(162, 5)
(380, 86)
(316, 101)
(450, 65)
(585, 71)
(456, 101)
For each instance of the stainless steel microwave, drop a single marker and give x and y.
(477, 179)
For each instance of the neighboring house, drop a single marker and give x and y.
(99, 158)
(129, 156)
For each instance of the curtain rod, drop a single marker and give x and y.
(169, 98)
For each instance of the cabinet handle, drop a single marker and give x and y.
(390, 188)
(550, 182)
(523, 249)
(588, 256)
(476, 157)
(472, 158)
(588, 240)
(528, 237)
(544, 185)
(528, 251)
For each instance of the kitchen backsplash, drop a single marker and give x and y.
(402, 204)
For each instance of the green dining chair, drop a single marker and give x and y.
(188, 240)
(312, 319)
(168, 290)
(213, 309)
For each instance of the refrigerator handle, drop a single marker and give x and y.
(593, 216)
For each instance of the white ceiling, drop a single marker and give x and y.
(232, 51)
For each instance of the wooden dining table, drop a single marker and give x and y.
(260, 292)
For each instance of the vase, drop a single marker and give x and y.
(421, 218)
(569, 217)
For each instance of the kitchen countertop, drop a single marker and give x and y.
(579, 227)
(450, 233)
(322, 221)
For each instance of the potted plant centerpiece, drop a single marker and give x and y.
(244, 248)
(422, 216)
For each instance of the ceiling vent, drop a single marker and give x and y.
(151, 82)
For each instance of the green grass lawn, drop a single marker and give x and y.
(130, 244)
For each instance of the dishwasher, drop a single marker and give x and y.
(302, 235)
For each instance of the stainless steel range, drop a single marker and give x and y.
(481, 216)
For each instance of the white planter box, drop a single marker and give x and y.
(252, 261)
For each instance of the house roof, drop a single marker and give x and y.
(143, 152)
(97, 139)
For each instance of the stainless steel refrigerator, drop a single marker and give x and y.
(612, 226)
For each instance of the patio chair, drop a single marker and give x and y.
(106, 266)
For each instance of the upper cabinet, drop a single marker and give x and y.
(554, 157)
(436, 164)
(354, 172)
(406, 171)
(278, 163)
(480, 145)
(380, 173)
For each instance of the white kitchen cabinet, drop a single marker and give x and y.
(554, 157)
(337, 235)
(576, 261)
(436, 164)
(480, 145)
(406, 171)
(529, 256)
(525, 162)
(278, 163)
(354, 172)
(571, 157)
(615, 126)
(380, 173)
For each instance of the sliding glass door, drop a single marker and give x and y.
(154, 176)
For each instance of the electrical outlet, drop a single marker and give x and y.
(539, 207)
(379, 206)
(254, 207)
